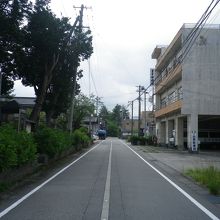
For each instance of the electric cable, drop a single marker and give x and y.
(192, 39)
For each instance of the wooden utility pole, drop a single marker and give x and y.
(139, 110)
(145, 120)
(132, 117)
(79, 20)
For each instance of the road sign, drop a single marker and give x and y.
(194, 141)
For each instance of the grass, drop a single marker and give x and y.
(209, 177)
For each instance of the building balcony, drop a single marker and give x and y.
(170, 51)
(173, 107)
(168, 78)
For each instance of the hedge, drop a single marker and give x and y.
(80, 139)
(16, 149)
(150, 140)
(51, 141)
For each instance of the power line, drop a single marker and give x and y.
(91, 77)
(190, 40)
(198, 27)
(193, 35)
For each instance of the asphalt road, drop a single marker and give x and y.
(109, 182)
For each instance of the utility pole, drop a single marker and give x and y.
(132, 117)
(139, 109)
(73, 94)
(79, 20)
(140, 88)
(145, 124)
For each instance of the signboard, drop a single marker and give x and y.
(152, 73)
(194, 141)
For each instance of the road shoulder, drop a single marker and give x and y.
(173, 163)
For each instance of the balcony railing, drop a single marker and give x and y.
(175, 106)
(210, 26)
(168, 70)
(171, 98)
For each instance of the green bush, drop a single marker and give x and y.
(134, 140)
(80, 139)
(83, 130)
(112, 129)
(142, 140)
(15, 148)
(26, 148)
(8, 154)
(149, 140)
(51, 141)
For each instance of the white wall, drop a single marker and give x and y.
(201, 75)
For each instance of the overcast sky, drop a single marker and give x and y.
(125, 32)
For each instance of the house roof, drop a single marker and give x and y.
(25, 101)
(16, 103)
(90, 119)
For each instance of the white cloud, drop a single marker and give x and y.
(125, 34)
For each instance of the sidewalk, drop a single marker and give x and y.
(181, 160)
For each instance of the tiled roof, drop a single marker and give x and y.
(25, 101)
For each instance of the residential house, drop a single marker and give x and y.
(15, 110)
(147, 124)
(92, 123)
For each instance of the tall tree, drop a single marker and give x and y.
(12, 14)
(119, 113)
(104, 114)
(41, 52)
(64, 82)
(84, 107)
(50, 52)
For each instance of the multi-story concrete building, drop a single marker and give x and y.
(187, 88)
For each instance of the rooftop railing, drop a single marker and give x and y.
(210, 26)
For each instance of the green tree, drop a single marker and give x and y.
(104, 114)
(12, 15)
(65, 79)
(40, 53)
(119, 113)
(112, 128)
(83, 107)
(52, 52)
(112, 119)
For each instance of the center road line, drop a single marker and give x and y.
(105, 207)
(5, 211)
(195, 202)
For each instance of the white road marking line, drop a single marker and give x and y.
(105, 207)
(5, 211)
(195, 202)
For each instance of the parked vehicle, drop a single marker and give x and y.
(102, 134)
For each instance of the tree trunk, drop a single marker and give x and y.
(50, 112)
(49, 117)
(39, 101)
(35, 114)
